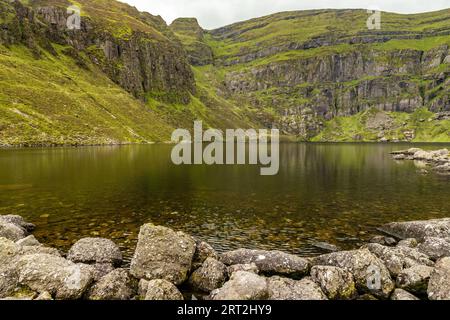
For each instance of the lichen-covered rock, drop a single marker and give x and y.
(99, 270)
(386, 241)
(439, 228)
(409, 243)
(336, 283)
(268, 262)
(29, 241)
(142, 288)
(415, 279)
(95, 250)
(58, 276)
(435, 248)
(9, 280)
(203, 251)
(369, 272)
(250, 267)
(400, 294)
(39, 249)
(439, 283)
(44, 296)
(162, 253)
(162, 290)
(18, 221)
(210, 276)
(116, 285)
(289, 289)
(398, 258)
(242, 286)
(9, 251)
(11, 231)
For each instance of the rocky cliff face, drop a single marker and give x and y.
(302, 69)
(145, 58)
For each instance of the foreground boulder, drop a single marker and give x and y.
(29, 241)
(62, 278)
(250, 267)
(268, 262)
(117, 285)
(439, 228)
(161, 290)
(435, 248)
(203, 251)
(336, 283)
(370, 274)
(242, 286)
(95, 250)
(210, 276)
(415, 279)
(289, 289)
(397, 259)
(400, 294)
(162, 253)
(439, 284)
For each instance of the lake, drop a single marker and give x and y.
(334, 193)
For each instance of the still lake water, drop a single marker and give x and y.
(335, 193)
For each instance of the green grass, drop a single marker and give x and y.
(355, 128)
(54, 101)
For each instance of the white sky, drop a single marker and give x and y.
(217, 13)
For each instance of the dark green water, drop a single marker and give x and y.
(337, 193)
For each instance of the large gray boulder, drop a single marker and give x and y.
(397, 259)
(400, 294)
(409, 243)
(439, 228)
(268, 262)
(162, 290)
(439, 284)
(29, 241)
(336, 283)
(415, 279)
(99, 270)
(435, 248)
(210, 276)
(162, 253)
(95, 250)
(203, 251)
(62, 278)
(370, 273)
(288, 289)
(250, 267)
(242, 286)
(117, 285)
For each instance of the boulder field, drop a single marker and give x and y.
(437, 160)
(411, 261)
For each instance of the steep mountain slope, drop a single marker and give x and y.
(123, 77)
(304, 72)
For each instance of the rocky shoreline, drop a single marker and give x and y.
(438, 160)
(410, 261)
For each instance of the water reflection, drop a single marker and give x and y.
(336, 193)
